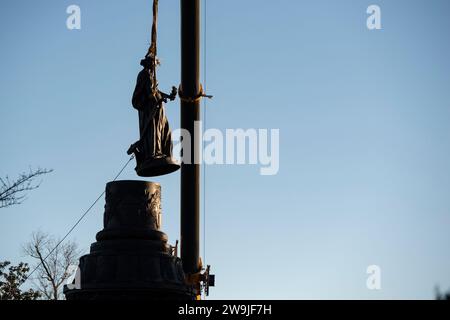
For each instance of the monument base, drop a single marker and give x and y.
(131, 259)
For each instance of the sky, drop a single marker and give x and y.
(364, 136)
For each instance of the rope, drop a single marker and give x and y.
(154, 27)
(152, 50)
(78, 221)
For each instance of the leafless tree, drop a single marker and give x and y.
(14, 191)
(53, 263)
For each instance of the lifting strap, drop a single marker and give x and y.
(152, 50)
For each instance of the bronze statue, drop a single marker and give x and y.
(153, 151)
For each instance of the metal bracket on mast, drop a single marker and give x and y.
(201, 281)
(196, 98)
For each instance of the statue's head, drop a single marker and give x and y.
(148, 62)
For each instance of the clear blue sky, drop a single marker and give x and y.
(364, 126)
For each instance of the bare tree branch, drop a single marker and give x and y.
(53, 263)
(13, 192)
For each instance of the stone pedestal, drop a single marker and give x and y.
(131, 258)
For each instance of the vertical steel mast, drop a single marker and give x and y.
(190, 92)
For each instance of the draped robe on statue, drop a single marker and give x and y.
(155, 147)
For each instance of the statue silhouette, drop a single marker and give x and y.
(154, 149)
